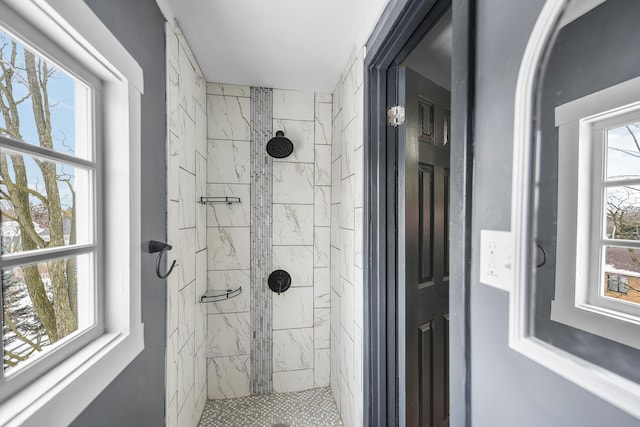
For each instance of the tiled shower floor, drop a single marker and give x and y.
(311, 408)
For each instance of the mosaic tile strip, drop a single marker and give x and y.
(261, 237)
(311, 408)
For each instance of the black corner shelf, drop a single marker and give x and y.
(221, 295)
(220, 199)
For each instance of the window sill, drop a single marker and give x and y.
(600, 321)
(58, 397)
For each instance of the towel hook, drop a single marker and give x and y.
(160, 248)
(544, 255)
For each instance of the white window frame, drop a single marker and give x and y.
(61, 394)
(618, 391)
(581, 156)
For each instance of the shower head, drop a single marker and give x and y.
(279, 146)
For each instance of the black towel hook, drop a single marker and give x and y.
(544, 255)
(160, 248)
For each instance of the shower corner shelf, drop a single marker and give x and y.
(219, 199)
(221, 295)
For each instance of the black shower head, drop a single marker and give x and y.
(279, 146)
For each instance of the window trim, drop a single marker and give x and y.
(59, 396)
(581, 157)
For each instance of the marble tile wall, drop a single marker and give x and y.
(301, 196)
(346, 295)
(229, 240)
(186, 391)
(301, 241)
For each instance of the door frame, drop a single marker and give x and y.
(401, 27)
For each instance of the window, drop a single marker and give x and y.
(48, 181)
(69, 209)
(598, 255)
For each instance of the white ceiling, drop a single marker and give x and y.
(288, 44)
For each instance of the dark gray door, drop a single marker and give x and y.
(423, 295)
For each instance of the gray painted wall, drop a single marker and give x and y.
(509, 389)
(136, 397)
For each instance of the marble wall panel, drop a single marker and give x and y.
(347, 205)
(201, 210)
(228, 118)
(184, 249)
(324, 97)
(187, 198)
(201, 129)
(293, 183)
(293, 105)
(335, 225)
(290, 381)
(323, 124)
(322, 206)
(171, 381)
(335, 313)
(358, 239)
(228, 248)
(186, 313)
(293, 225)
(357, 358)
(292, 349)
(347, 268)
(358, 195)
(336, 181)
(348, 143)
(228, 161)
(322, 327)
(293, 309)
(173, 167)
(335, 369)
(185, 414)
(358, 298)
(200, 374)
(297, 261)
(321, 247)
(336, 138)
(228, 90)
(321, 287)
(346, 308)
(188, 142)
(227, 334)
(322, 367)
(186, 373)
(229, 377)
(323, 165)
(187, 74)
(200, 314)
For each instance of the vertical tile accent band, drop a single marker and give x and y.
(261, 236)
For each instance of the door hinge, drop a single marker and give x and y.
(395, 115)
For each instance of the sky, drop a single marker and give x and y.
(61, 91)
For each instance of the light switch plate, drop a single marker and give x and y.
(496, 259)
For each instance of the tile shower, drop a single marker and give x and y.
(303, 212)
(291, 231)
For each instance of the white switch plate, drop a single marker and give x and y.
(496, 259)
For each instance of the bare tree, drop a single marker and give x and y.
(25, 77)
